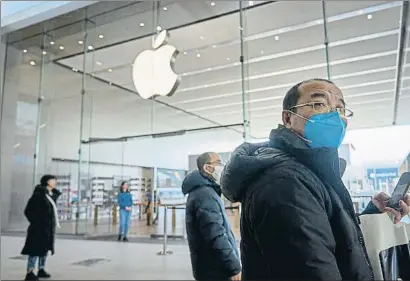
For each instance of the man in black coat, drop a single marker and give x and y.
(298, 220)
(214, 255)
(42, 214)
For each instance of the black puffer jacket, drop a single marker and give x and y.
(298, 220)
(214, 255)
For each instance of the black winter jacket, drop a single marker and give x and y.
(40, 213)
(298, 220)
(214, 255)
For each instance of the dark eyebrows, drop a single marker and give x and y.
(319, 95)
(324, 96)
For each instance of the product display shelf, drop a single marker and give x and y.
(64, 201)
(139, 188)
(99, 196)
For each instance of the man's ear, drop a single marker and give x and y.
(286, 119)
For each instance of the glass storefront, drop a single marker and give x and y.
(70, 106)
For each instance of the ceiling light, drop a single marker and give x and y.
(198, 55)
(213, 46)
(276, 37)
(142, 24)
(159, 28)
(75, 69)
(109, 70)
(61, 47)
(262, 52)
(250, 3)
(80, 42)
(44, 53)
(98, 63)
(16, 145)
(100, 36)
(361, 12)
(24, 51)
(165, 9)
(212, 3)
(42, 126)
(369, 17)
(228, 58)
(201, 37)
(32, 63)
(52, 43)
(185, 53)
(90, 47)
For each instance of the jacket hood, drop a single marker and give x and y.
(40, 189)
(246, 162)
(195, 180)
(249, 160)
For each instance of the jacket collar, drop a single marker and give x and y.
(324, 162)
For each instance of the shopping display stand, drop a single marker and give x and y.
(381, 234)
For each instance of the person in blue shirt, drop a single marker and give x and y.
(125, 203)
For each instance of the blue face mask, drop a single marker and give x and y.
(325, 130)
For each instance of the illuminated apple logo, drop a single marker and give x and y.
(153, 71)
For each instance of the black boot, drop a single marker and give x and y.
(43, 274)
(125, 239)
(119, 237)
(31, 276)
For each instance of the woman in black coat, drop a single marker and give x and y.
(42, 213)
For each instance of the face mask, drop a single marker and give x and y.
(325, 130)
(217, 173)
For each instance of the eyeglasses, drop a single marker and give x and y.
(320, 107)
(219, 163)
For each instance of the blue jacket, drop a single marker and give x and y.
(124, 200)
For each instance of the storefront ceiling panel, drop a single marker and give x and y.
(362, 57)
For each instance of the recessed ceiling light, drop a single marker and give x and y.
(165, 9)
(228, 58)
(198, 55)
(61, 47)
(250, 3)
(90, 47)
(276, 37)
(80, 42)
(100, 36)
(142, 24)
(201, 37)
(212, 3)
(16, 145)
(98, 63)
(213, 46)
(75, 69)
(109, 70)
(24, 51)
(44, 53)
(185, 53)
(262, 52)
(369, 17)
(32, 63)
(159, 28)
(52, 43)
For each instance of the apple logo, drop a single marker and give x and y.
(153, 70)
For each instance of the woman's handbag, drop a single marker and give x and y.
(387, 245)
